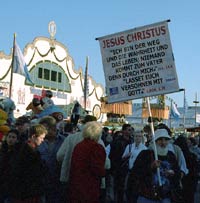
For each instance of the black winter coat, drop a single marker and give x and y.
(28, 173)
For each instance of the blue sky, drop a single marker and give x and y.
(80, 22)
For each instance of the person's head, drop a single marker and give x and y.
(37, 133)
(126, 127)
(138, 136)
(89, 118)
(92, 130)
(162, 139)
(36, 102)
(127, 130)
(49, 94)
(76, 103)
(105, 130)
(182, 142)
(65, 128)
(22, 124)
(164, 126)
(69, 128)
(148, 133)
(12, 137)
(50, 123)
(117, 134)
(193, 141)
(109, 138)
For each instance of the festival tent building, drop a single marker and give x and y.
(50, 67)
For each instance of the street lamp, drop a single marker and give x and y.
(195, 102)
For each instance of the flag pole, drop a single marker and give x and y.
(11, 72)
(184, 104)
(85, 83)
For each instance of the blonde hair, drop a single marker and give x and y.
(92, 130)
(37, 130)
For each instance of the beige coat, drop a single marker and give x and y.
(64, 154)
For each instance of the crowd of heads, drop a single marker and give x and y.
(24, 125)
(55, 122)
(35, 130)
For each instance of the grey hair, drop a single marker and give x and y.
(92, 130)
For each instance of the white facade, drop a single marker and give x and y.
(50, 67)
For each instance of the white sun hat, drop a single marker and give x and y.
(161, 133)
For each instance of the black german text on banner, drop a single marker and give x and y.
(138, 63)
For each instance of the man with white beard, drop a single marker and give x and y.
(145, 173)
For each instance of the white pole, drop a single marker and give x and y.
(153, 139)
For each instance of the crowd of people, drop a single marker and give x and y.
(49, 160)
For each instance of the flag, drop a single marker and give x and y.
(174, 111)
(19, 65)
(197, 118)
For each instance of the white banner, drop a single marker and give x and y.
(138, 63)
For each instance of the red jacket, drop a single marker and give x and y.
(87, 168)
